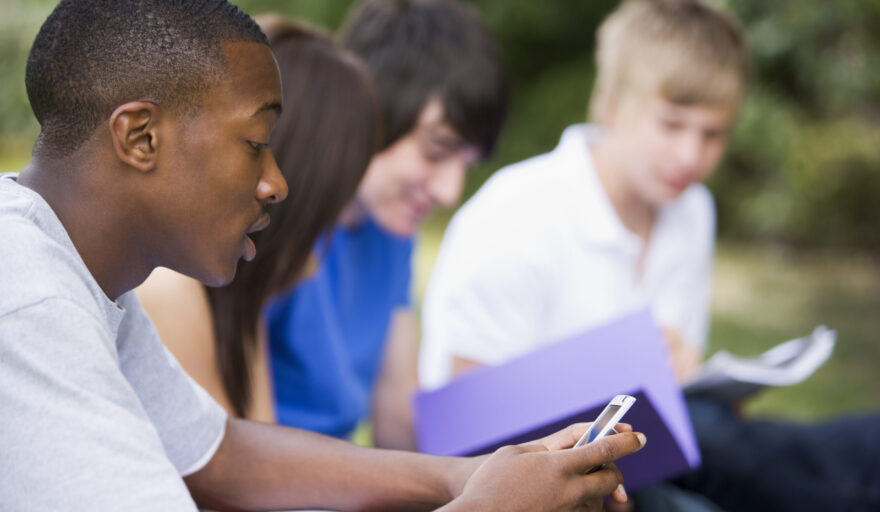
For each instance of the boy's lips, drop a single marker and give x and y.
(260, 224)
(250, 249)
(675, 182)
(419, 210)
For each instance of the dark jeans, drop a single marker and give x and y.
(776, 466)
(666, 497)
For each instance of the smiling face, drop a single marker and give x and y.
(218, 172)
(421, 171)
(662, 148)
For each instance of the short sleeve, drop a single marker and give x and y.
(74, 436)
(189, 422)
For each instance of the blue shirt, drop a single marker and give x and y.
(327, 336)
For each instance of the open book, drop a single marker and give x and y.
(731, 377)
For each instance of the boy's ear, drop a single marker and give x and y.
(611, 111)
(135, 134)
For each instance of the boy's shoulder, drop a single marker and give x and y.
(525, 211)
(695, 203)
(517, 200)
(537, 187)
(34, 264)
(571, 156)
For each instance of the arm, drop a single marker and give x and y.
(397, 381)
(260, 466)
(684, 357)
(462, 364)
(262, 407)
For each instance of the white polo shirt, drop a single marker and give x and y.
(539, 254)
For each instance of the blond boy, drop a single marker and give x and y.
(612, 220)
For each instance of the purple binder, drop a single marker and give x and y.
(566, 382)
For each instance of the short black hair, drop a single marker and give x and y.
(90, 56)
(419, 49)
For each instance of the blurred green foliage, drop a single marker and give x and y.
(804, 161)
(18, 26)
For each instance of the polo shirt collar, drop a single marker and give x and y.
(587, 196)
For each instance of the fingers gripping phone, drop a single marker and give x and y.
(604, 423)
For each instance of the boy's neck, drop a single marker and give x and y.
(353, 215)
(636, 214)
(116, 267)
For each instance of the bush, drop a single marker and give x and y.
(804, 161)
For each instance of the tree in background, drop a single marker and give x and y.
(804, 164)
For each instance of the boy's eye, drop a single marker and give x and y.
(434, 153)
(435, 156)
(672, 125)
(257, 146)
(713, 135)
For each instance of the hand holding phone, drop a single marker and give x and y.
(604, 423)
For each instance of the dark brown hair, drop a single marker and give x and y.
(421, 49)
(323, 143)
(90, 56)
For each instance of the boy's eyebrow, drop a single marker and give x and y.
(439, 134)
(452, 143)
(269, 105)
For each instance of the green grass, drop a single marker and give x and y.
(765, 295)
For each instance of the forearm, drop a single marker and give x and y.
(684, 357)
(397, 382)
(393, 428)
(260, 466)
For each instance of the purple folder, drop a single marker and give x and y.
(563, 383)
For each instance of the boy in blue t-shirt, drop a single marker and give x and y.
(344, 342)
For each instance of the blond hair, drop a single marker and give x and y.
(684, 50)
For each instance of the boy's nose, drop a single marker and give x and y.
(272, 187)
(446, 184)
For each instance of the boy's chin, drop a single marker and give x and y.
(400, 226)
(665, 195)
(217, 277)
(403, 230)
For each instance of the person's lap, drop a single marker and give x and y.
(780, 466)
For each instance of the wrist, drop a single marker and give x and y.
(463, 468)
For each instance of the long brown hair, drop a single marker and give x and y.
(323, 143)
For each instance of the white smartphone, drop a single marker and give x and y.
(606, 420)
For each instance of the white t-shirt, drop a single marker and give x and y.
(539, 254)
(95, 414)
